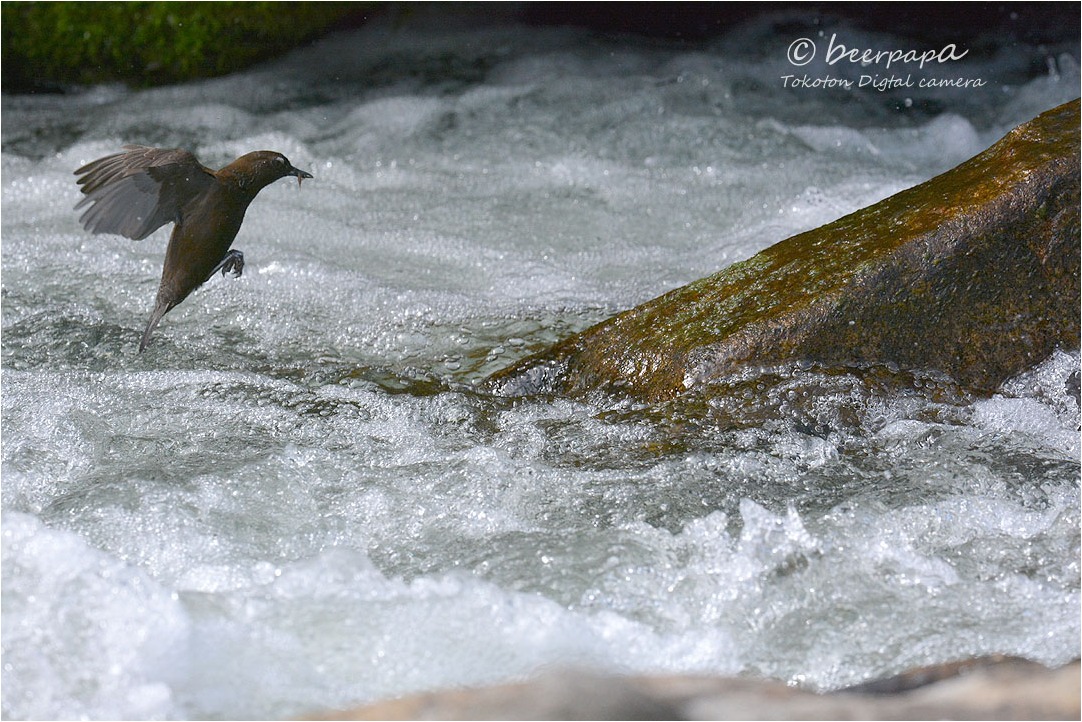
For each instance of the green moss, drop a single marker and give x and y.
(53, 44)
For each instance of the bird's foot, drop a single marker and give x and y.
(233, 263)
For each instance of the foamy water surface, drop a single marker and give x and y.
(297, 499)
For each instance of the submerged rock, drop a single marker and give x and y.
(973, 274)
(995, 688)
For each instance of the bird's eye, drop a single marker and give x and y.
(281, 160)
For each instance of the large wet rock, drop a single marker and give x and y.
(993, 688)
(973, 274)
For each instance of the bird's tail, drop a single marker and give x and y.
(160, 309)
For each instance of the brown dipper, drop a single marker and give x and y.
(136, 192)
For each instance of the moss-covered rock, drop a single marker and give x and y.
(48, 45)
(974, 274)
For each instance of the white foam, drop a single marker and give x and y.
(85, 636)
(293, 501)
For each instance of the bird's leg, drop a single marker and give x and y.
(233, 262)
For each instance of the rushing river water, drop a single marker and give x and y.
(297, 499)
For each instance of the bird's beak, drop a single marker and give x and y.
(300, 174)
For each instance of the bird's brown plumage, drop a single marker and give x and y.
(138, 191)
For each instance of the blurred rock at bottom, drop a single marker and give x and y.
(987, 688)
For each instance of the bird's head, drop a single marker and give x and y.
(256, 170)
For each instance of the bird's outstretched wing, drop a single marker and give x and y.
(136, 192)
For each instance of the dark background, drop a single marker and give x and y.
(950, 22)
(55, 47)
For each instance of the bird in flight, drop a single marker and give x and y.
(137, 191)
